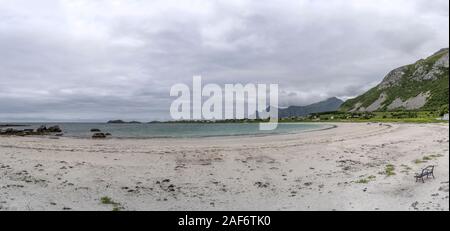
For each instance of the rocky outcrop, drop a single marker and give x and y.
(41, 131)
(393, 78)
(443, 62)
(98, 134)
(356, 107)
(424, 72)
(411, 103)
(44, 129)
(54, 129)
(377, 104)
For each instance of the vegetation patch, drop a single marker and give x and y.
(108, 201)
(403, 116)
(419, 161)
(362, 181)
(427, 158)
(366, 180)
(388, 170)
(436, 155)
(406, 168)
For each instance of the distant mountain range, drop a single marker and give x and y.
(422, 85)
(331, 104)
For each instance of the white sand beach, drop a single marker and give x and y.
(336, 169)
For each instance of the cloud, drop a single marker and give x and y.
(94, 60)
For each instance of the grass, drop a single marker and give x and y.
(418, 161)
(389, 170)
(400, 116)
(366, 180)
(108, 201)
(406, 168)
(116, 208)
(425, 159)
(417, 116)
(436, 155)
(362, 181)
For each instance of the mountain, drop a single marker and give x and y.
(422, 85)
(331, 104)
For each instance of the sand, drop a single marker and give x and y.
(337, 169)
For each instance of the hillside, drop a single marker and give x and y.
(423, 85)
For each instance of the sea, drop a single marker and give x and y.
(176, 130)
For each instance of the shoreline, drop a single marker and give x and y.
(343, 168)
(323, 126)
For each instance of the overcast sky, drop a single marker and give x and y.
(85, 60)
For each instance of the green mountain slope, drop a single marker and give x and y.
(422, 85)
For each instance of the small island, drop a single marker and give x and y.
(13, 125)
(122, 122)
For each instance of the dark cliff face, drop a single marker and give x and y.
(422, 85)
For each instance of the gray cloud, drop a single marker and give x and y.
(97, 60)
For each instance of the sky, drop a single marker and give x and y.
(96, 60)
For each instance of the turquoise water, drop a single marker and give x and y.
(177, 130)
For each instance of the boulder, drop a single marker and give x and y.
(95, 130)
(98, 136)
(10, 131)
(41, 129)
(54, 129)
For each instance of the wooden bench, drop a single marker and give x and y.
(426, 172)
